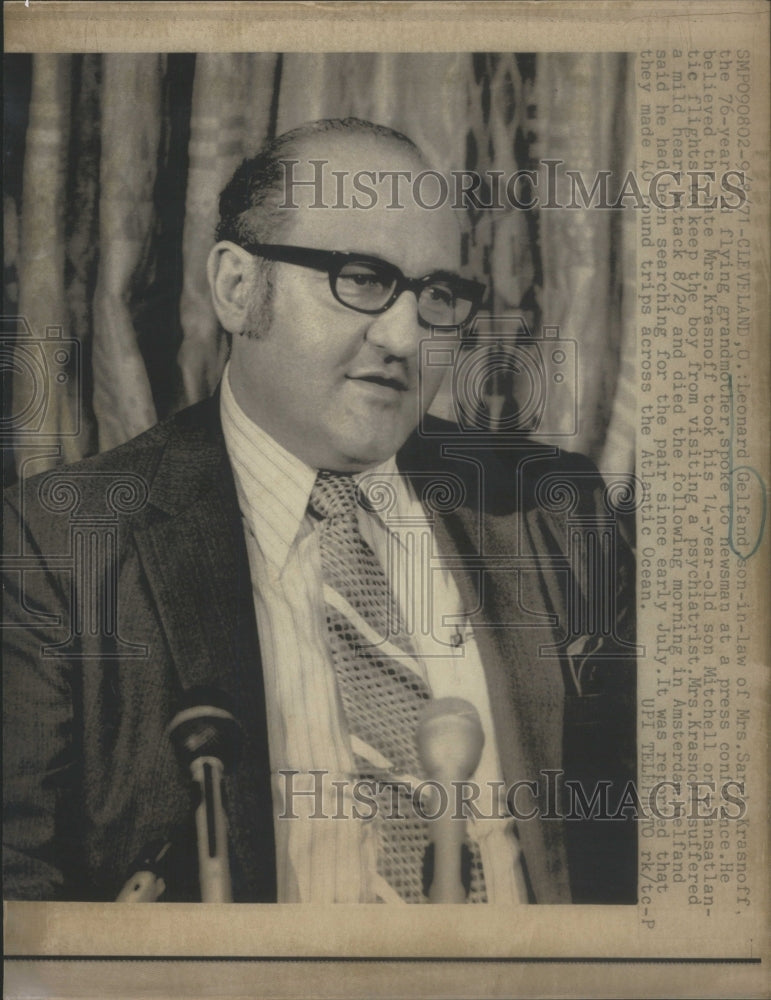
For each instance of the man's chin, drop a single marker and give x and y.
(357, 456)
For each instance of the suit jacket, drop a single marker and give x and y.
(128, 583)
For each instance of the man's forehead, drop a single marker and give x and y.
(366, 194)
(360, 151)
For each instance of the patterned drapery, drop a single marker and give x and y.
(113, 168)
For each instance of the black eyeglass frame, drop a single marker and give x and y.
(333, 261)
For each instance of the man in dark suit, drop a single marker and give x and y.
(155, 568)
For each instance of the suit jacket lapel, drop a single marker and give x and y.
(193, 552)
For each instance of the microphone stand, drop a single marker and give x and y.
(205, 736)
(450, 741)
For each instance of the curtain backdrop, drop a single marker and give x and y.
(113, 169)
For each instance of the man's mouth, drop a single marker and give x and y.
(387, 381)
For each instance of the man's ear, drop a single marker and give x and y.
(230, 270)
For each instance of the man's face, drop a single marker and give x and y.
(338, 388)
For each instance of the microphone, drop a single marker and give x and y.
(205, 736)
(147, 882)
(449, 741)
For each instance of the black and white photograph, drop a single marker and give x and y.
(222, 644)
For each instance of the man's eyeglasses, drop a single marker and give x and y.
(370, 285)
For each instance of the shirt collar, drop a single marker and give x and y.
(274, 486)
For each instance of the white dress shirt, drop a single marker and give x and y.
(324, 852)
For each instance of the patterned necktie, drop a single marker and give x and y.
(379, 683)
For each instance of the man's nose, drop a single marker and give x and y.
(397, 330)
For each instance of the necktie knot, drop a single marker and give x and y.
(334, 494)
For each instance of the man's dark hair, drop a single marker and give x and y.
(249, 203)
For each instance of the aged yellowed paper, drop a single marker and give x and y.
(623, 151)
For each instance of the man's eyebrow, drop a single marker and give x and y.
(444, 273)
(439, 272)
